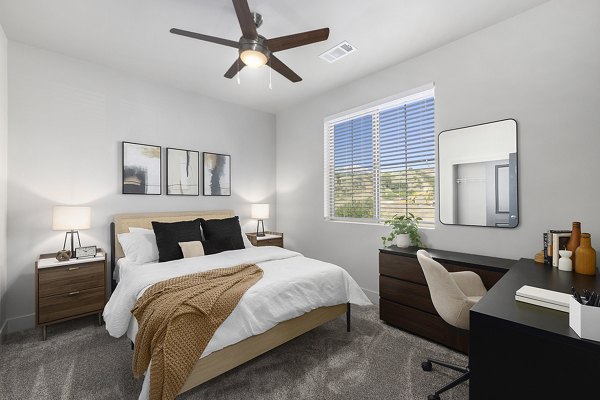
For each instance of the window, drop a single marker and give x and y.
(380, 161)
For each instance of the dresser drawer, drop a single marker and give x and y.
(424, 324)
(407, 293)
(70, 278)
(70, 304)
(406, 268)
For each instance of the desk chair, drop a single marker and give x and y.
(453, 294)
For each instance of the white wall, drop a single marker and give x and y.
(3, 173)
(67, 121)
(540, 68)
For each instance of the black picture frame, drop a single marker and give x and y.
(170, 186)
(135, 176)
(212, 185)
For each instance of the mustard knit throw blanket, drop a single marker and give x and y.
(178, 317)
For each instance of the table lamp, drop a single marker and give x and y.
(260, 212)
(71, 219)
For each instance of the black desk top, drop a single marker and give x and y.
(493, 263)
(500, 301)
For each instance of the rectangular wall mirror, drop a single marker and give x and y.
(478, 175)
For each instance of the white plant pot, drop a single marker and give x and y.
(402, 240)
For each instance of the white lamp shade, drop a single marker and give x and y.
(260, 211)
(67, 218)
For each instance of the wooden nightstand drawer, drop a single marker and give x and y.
(270, 242)
(70, 278)
(271, 239)
(70, 304)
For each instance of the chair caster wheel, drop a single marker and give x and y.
(433, 397)
(426, 365)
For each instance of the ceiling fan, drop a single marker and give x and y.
(256, 50)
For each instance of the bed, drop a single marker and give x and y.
(241, 340)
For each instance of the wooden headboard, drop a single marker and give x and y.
(122, 222)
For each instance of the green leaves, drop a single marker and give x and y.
(404, 224)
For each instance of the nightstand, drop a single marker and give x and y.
(69, 289)
(270, 239)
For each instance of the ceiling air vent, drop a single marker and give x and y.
(337, 52)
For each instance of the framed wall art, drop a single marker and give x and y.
(216, 174)
(141, 168)
(183, 172)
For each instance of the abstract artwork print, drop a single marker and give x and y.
(141, 168)
(183, 175)
(217, 174)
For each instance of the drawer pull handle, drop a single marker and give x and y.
(73, 268)
(73, 293)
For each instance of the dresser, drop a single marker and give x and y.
(69, 289)
(404, 299)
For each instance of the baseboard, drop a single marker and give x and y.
(20, 323)
(372, 295)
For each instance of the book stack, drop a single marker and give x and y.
(554, 240)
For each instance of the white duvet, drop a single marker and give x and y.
(291, 286)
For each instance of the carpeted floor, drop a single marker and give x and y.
(375, 361)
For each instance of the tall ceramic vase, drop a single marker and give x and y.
(574, 240)
(585, 256)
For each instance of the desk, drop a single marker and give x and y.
(522, 351)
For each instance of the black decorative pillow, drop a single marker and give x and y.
(168, 236)
(217, 246)
(228, 228)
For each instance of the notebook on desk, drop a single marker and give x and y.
(543, 298)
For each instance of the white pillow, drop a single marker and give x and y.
(139, 245)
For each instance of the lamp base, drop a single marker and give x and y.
(258, 233)
(72, 233)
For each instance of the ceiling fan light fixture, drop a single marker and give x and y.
(253, 58)
(254, 52)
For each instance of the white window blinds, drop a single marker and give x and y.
(380, 161)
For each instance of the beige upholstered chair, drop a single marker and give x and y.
(453, 294)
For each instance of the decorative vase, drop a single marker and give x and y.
(564, 262)
(403, 240)
(585, 256)
(574, 241)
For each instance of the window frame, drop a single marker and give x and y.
(374, 109)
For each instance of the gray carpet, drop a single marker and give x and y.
(375, 361)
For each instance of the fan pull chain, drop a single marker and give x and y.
(238, 74)
(270, 73)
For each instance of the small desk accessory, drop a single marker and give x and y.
(543, 298)
(565, 263)
(584, 314)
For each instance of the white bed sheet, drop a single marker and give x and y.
(291, 286)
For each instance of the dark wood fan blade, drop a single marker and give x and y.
(283, 69)
(298, 39)
(234, 69)
(206, 38)
(242, 11)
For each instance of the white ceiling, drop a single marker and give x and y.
(133, 36)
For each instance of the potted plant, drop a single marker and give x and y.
(405, 231)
